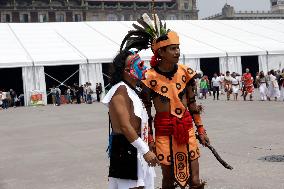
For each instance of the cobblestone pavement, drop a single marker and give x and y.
(65, 147)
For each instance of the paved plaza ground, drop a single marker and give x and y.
(65, 147)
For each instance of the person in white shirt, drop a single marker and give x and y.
(273, 89)
(215, 83)
(235, 86)
(5, 104)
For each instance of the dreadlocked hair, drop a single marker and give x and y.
(118, 66)
(138, 39)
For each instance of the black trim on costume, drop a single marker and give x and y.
(169, 74)
(108, 150)
(189, 164)
(172, 157)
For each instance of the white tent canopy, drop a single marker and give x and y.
(12, 54)
(46, 44)
(89, 44)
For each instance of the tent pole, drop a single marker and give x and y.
(267, 61)
(88, 70)
(227, 62)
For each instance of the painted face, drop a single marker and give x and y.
(136, 66)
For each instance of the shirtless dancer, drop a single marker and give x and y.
(131, 161)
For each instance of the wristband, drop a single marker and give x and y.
(141, 146)
(201, 130)
(197, 119)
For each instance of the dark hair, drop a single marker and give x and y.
(118, 65)
(261, 74)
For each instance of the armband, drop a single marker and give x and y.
(197, 119)
(201, 130)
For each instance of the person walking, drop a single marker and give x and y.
(282, 84)
(235, 86)
(204, 87)
(262, 84)
(5, 104)
(273, 89)
(215, 83)
(228, 84)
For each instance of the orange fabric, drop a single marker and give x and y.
(170, 88)
(173, 39)
(180, 154)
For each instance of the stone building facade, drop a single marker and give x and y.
(229, 13)
(93, 10)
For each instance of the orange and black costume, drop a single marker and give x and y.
(176, 144)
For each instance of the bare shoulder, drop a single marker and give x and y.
(120, 96)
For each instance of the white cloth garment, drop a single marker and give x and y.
(235, 85)
(262, 91)
(146, 174)
(273, 89)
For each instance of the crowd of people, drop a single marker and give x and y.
(270, 85)
(59, 95)
(75, 94)
(9, 98)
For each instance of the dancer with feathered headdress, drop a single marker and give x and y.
(171, 88)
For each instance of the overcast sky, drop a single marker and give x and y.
(211, 7)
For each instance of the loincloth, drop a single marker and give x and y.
(122, 155)
(170, 151)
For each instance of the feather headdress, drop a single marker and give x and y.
(145, 32)
(149, 33)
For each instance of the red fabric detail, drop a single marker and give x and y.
(167, 124)
(154, 59)
(247, 79)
